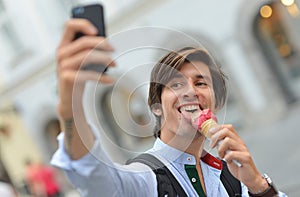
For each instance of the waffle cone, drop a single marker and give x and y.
(206, 125)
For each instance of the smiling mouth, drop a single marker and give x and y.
(191, 112)
(190, 108)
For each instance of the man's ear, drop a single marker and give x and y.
(156, 109)
(157, 112)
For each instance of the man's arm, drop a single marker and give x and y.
(71, 82)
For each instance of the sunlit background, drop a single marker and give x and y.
(257, 42)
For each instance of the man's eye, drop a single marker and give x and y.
(200, 83)
(176, 85)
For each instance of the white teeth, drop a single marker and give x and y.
(189, 107)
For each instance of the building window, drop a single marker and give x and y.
(276, 29)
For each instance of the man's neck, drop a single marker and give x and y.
(196, 147)
(191, 146)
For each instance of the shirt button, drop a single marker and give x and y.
(194, 180)
(189, 159)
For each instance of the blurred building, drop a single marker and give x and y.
(257, 42)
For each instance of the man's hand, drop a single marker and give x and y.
(72, 55)
(233, 148)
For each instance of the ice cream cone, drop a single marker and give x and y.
(204, 121)
(206, 125)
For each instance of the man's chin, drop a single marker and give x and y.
(187, 129)
(186, 124)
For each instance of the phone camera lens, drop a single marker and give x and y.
(79, 10)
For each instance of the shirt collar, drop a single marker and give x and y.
(174, 155)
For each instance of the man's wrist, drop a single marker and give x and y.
(269, 191)
(258, 185)
(68, 129)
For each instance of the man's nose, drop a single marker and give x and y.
(190, 91)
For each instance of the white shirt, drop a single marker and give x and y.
(96, 175)
(6, 190)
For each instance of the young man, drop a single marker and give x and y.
(182, 82)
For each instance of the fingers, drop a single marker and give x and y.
(95, 76)
(77, 25)
(228, 141)
(86, 57)
(89, 49)
(243, 157)
(228, 145)
(219, 132)
(74, 78)
(82, 44)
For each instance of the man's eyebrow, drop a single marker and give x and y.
(199, 76)
(205, 77)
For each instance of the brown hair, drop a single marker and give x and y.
(168, 66)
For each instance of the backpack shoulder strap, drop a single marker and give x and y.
(165, 178)
(231, 184)
(167, 184)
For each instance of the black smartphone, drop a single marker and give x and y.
(95, 14)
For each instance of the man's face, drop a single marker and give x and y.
(190, 90)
